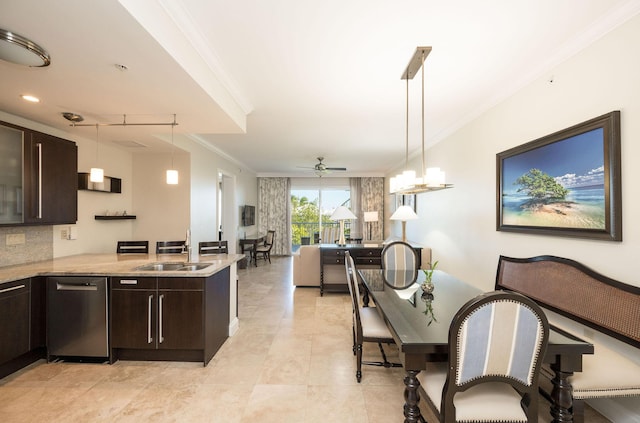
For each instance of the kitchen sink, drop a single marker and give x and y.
(173, 266)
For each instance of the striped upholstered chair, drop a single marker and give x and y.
(399, 264)
(496, 345)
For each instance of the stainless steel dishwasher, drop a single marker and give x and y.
(77, 317)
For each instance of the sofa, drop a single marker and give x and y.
(306, 267)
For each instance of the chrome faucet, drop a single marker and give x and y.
(187, 245)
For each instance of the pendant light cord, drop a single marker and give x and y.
(97, 143)
(424, 169)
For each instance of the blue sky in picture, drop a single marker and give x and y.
(573, 162)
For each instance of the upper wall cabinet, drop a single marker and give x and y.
(48, 191)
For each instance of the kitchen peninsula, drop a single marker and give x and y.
(179, 311)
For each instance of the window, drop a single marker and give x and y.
(312, 205)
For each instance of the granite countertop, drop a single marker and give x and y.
(116, 265)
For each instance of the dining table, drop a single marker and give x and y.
(419, 323)
(250, 244)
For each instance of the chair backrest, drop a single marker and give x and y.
(270, 238)
(497, 336)
(354, 291)
(132, 247)
(169, 247)
(399, 255)
(213, 247)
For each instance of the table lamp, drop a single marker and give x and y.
(369, 217)
(404, 213)
(341, 214)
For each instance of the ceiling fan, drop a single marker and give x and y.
(322, 169)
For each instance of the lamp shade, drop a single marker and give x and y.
(342, 213)
(371, 216)
(404, 213)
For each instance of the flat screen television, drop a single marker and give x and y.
(248, 215)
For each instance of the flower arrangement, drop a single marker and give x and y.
(427, 285)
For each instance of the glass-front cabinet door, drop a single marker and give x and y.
(11, 182)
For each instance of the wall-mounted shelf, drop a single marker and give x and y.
(110, 184)
(100, 217)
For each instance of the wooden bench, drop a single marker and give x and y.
(582, 295)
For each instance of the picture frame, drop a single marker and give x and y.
(564, 184)
(410, 200)
(399, 201)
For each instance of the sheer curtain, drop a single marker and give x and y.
(274, 197)
(372, 199)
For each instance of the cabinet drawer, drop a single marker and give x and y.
(367, 252)
(185, 284)
(329, 254)
(14, 288)
(333, 260)
(368, 260)
(133, 283)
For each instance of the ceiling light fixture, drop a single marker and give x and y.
(17, 49)
(97, 173)
(72, 117)
(125, 123)
(432, 179)
(30, 98)
(172, 174)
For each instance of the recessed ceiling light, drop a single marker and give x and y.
(30, 98)
(16, 49)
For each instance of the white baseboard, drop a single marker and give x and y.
(234, 326)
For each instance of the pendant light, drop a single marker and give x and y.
(172, 174)
(432, 179)
(97, 173)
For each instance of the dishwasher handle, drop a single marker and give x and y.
(82, 286)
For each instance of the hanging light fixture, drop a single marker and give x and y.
(97, 173)
(172, 174)
(431, 179)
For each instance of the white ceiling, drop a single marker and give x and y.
(274, 84)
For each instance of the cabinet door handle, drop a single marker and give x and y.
(160, 335)
(149, 337)
(13, 288)
(128, 282)
(39, 147)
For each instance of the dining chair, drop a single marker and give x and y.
(213, 247)
(496, 345)
(265, 248)
(368, 324)
(132, 247)
(170, 247)
(400, 259)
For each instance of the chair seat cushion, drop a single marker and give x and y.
(487, 402)
(263, 248)
(373, 325)
(604, 374)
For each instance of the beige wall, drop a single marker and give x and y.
(459, 224)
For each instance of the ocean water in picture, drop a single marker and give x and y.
(582, 208)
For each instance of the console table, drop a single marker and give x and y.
(364, 256)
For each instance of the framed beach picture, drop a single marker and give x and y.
(565, 184)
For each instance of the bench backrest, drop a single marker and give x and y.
(577, 292)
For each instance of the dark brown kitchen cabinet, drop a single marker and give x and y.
(15, 312)
(169, 318)
(50, 179)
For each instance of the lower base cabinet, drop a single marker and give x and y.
(169, 318)
(15, 312)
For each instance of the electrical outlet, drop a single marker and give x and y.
(64, 234)
(15, 239)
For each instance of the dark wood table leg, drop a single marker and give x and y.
(562, 396)
(411, 398)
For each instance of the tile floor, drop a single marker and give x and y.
(290, 361)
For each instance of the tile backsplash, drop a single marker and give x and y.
(37, 245)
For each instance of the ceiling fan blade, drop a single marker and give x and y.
(343, 169)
